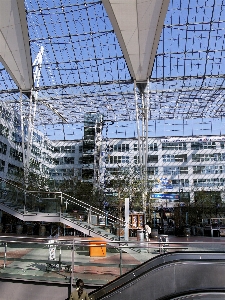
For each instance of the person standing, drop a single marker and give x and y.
(148, 231)
(79, 293)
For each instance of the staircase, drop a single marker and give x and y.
(39, 206)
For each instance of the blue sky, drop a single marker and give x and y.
(81, 50)
(157, 128)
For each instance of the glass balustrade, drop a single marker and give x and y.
(92, 259)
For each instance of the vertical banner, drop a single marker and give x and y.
(126, 229)
(52, 250)
(51, 253)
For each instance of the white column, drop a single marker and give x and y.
(126, 230)
(191, 196)
(222, 195)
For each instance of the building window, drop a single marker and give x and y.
(56, 149)
(174, 158)
(88, 146)
(5, 114)
(14, 170)
(2, 165)
(183, 170)
(152, 171)
(4, 131)
(112, 171)
(16, 154)
(119, 159)
(87, 159)
(170, 170)
(136, 159)
(121, 147)
(125, 159)
(175, 170)
(65, 149)
(181, 158)
(208, 169)
(61, 172)
(45, 169)
(203, 145)
(16, 138)
(153, 147)
(87, 174)
(3, 148)
(69, 160)
(168, 158)
(208, 157)
(36, 151)
(80, 149)
(180, 182)
(174, 146)
(209, 182)
(152, 158)
(37, 137)
(47, 158)
(64, 160)
(35, 164)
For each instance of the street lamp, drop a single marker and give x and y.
(154, 219)
(179, 202)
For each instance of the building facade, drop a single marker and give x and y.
(174, 165)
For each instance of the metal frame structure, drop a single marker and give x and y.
(84, 69)
(93, 58)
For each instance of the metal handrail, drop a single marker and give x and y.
(63, 198)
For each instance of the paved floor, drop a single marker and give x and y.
(27, 259)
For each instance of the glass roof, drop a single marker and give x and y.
(83, 68)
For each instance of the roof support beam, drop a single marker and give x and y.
(14, 44)
(138, 25)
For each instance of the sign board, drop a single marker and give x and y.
(165, 196)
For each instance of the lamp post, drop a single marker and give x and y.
(154, 212)
(120, 216)
(120, 213)
(150, 204)
(179, 203)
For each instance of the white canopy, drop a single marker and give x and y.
(138, 25)
(14, 43)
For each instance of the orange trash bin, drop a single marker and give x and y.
(97, 247)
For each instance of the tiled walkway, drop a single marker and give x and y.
(30, 262)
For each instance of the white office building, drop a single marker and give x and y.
(174, 165)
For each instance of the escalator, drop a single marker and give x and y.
(204, 295)
(170, 276)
